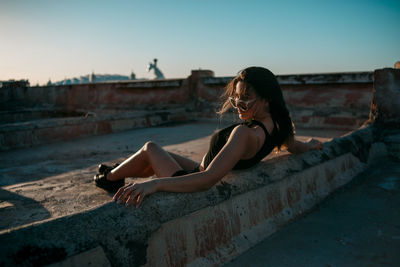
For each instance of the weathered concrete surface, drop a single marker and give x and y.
(359, 225)
(215, 234)
(124, 95)
(386, 99)
(31, 115)
(51, 130)
(94, 257)
(339, 106)
(56, 180)
(48, 199)
(127, 243)
(251, 204)
(392, 139)
(281, 189)
(325, 101)
(385, 108)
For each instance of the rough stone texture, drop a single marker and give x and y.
(358, 225)
(55, 180)
(128, 242)
(44, 131)
(291, 184)
(36, 115)
(94, 257)
(338, 106)
(315, 78)
(334, 101)
(386, 99)
(112, 95)
(392, 141)
(215, 234)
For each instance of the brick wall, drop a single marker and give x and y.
(324, 101)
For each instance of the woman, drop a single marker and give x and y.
(257, 97)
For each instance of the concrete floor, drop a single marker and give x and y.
(358, 225)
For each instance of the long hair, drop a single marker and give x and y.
(265, 85)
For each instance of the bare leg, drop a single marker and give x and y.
(185, 163)
(149, 160)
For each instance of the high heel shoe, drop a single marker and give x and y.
(101, 181)
(105, 168)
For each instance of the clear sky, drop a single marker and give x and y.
(57, 39)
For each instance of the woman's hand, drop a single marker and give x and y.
(314, 144)
(133, 194)
(296, 146)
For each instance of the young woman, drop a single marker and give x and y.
(257, 97)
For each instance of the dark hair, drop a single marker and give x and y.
(265, 86)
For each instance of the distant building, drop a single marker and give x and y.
(14, 84)
(91, 78)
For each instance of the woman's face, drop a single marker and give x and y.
(245, 95)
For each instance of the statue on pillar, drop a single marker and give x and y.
(133, 76)
(92, 78)
(157, 72)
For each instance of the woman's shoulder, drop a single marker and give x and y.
(243, 131)
(239, 129)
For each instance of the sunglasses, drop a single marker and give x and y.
(240, 104)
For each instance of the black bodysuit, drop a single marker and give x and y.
(219, 139)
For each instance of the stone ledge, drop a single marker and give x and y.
(291, 184)
(37, 132)
(315, 78)
(216, 234)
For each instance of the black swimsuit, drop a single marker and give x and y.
(219, 139)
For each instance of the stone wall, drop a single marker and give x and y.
(39, 115)
(338, 95)
(130, 95)
(208, 228)
(386, 101)
(320, 101)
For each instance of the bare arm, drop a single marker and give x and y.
(296, 146)
(226, 159)
(236, 147)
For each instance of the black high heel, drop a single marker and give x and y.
(105, 168)
(101, 181)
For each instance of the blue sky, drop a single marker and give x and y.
(57, 39)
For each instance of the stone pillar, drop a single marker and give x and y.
(195, 81)
(385, 106)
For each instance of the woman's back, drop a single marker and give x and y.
(219, 139)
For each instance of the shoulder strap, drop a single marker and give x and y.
(262, 126)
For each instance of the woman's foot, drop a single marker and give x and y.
(101, 181)
(103, 168)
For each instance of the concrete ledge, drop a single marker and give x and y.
(314, 78)
(204, 228)
(44, 131)
(93, 257)
(214, 235)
